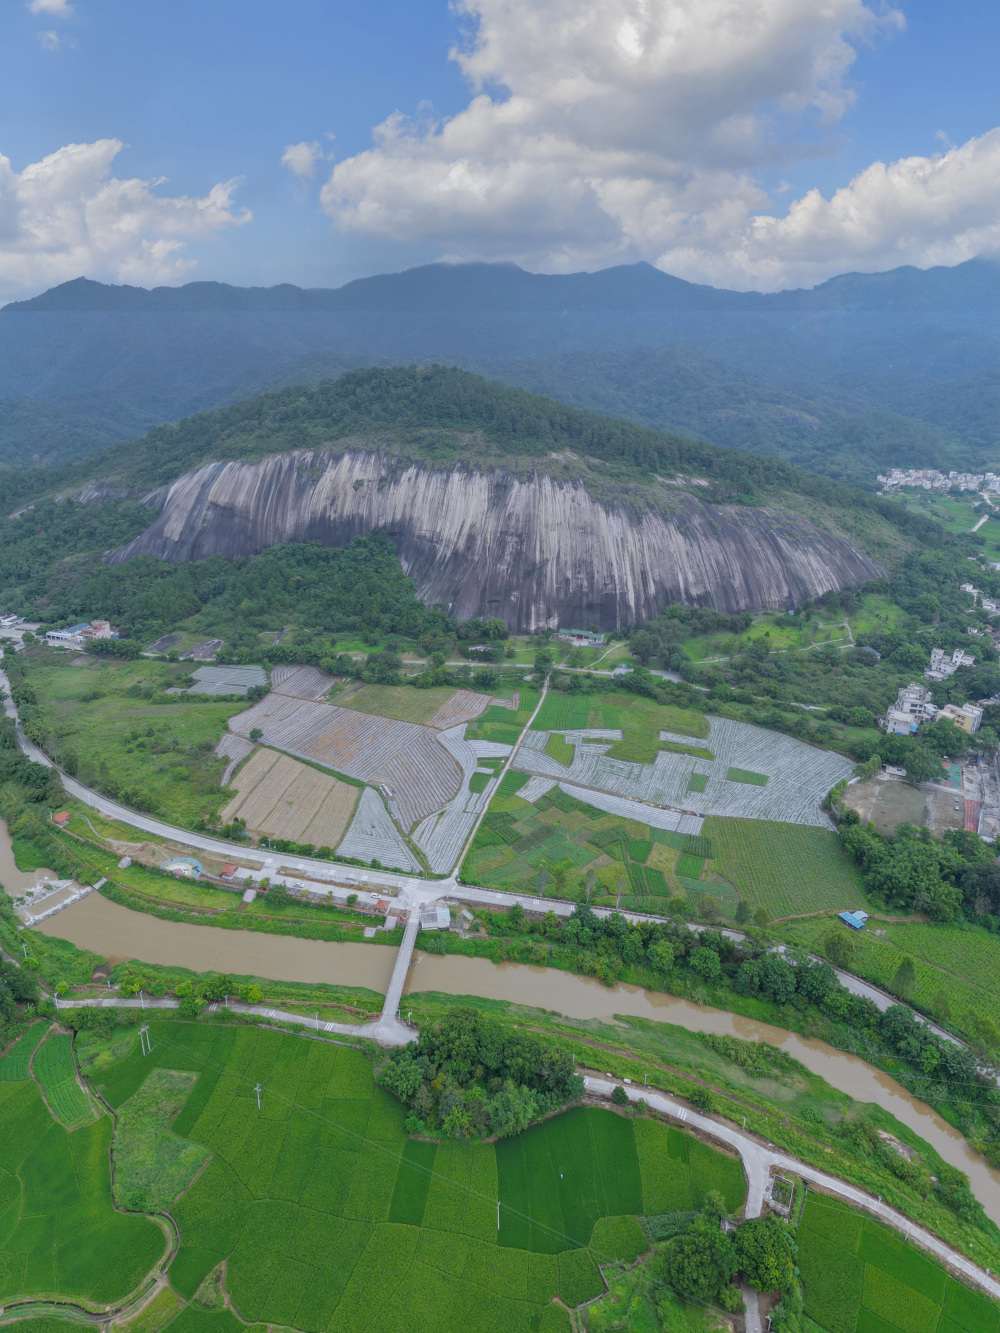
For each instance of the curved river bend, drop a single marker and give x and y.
(117, 933)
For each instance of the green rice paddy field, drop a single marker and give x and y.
(60, 1235)
(860, 1277)
(330, 1218)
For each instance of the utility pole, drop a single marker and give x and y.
(142, 1002)
(498, 1214)
(257, 1090)
(145, 1045)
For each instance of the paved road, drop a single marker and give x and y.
(759, 1160)
(412, 892)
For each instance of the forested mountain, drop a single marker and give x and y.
(498, 502)
(864, 371)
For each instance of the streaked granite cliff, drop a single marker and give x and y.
(534, 550)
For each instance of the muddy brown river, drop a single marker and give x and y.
(118, 933)
(15, 881)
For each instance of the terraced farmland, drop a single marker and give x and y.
(282, 798)
(329, 1217)
(55, 1072)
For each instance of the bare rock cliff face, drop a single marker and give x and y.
(536, 551)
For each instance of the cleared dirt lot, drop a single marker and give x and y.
(283, 798)
(888, 803)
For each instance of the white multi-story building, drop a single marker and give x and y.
(945, 664)
(913, 706)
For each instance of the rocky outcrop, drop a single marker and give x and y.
(536, 551)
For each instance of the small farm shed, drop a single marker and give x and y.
(855, 920)
(435, 918)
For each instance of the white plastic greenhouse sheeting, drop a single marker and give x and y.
(373, 835)
(799, 775)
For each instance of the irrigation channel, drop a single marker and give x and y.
(118, 933)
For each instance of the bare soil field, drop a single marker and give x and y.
(282, 798)
(888, 803)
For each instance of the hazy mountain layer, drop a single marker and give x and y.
(861, 372)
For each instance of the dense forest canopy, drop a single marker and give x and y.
(445, 416)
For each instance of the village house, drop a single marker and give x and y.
(913, 706)
(967, 716)
(944, 664)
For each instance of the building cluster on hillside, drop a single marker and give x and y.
(930, 479)
(78, 636)
(913, 706)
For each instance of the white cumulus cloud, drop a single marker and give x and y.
(301, 159)
(599, 131)
(68, 216)
(49, 40)
(59, 9)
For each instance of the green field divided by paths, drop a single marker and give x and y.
(788, 869)
(553, 845)
(330, 1217)
(503, 725)
(60, 1235)
(15, 1066)
(55, 1072)
(860, 1277)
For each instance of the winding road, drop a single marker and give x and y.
(412, 892)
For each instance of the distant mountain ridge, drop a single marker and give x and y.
(860, 373)
(638, 287)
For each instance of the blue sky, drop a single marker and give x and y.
(201, 93)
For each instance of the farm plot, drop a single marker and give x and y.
(463, 706)
(301, 682)
(226, 679)
(420, 774)
(55, 1072)
(956, 966)
(62, 1237)
(562, 844)
(373, 836)
(16, 1064)
(756, 774)
(234, 749)
(442, 836)
(283, 798)
(789, 870)
(860, 1277)
(329, 1217)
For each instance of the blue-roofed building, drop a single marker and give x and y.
(856, 920)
